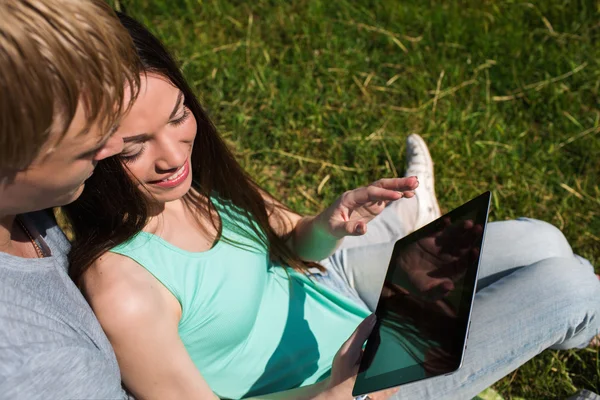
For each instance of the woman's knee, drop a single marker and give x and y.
(546, 237)
(571, 287)
(575, 296)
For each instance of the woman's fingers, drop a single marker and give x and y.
(359, 336)
(371, 194)
(356, 228)
(388, 189)
(345, 363)
(398, 184)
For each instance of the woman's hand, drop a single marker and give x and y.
(316, 238)
(352, 211)
(346, 363)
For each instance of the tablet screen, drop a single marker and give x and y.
(425, 303)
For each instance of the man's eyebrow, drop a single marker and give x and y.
(179, 98)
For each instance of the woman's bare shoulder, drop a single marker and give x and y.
(122, 292)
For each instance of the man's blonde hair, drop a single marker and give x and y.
(54, 53)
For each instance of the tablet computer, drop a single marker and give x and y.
(424, 309)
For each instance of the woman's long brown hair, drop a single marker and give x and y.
(111, 209)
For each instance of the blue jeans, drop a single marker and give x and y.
(533, 294)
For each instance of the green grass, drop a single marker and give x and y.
(318, 96)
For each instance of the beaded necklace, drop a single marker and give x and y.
(38, 250)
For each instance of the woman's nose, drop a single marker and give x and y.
(171, 156)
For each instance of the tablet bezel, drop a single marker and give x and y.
(364, 385)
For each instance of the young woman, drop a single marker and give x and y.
(207, 286)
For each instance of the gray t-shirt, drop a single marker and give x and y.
(51, 344)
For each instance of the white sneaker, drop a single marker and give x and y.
(420, 164)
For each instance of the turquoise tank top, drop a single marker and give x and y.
(251, 327)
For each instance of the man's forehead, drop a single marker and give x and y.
(82, 135)
(102, 123)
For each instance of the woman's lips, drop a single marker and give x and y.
(178, 177)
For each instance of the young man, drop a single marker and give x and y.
(66, 67)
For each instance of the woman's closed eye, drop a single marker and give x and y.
(135, 151)
(130, 155)
(182, 119)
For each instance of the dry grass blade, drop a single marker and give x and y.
(248, 35)
(593, 130)
(406, 109)
(453, 89)
(322, 184)
(361, 87)
(548, 25)
(308, 197)
(437, 91)
(368, 79)
(591, 235)
(392, 80)
(539, 85)
(492, 143)
(389, 159)
(542, 84)
(227, 47)
(439, 96)
(572, 191)
(486, 65)
(393, 36)
(313, 161)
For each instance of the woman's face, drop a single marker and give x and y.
(158, 135)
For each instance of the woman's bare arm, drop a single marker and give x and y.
(307, 236)
(141, 320)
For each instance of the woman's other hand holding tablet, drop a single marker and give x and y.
(346, 363)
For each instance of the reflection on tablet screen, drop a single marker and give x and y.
(424, 306)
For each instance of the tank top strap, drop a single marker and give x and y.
(145, 250)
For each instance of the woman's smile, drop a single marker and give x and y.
(176, 179)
